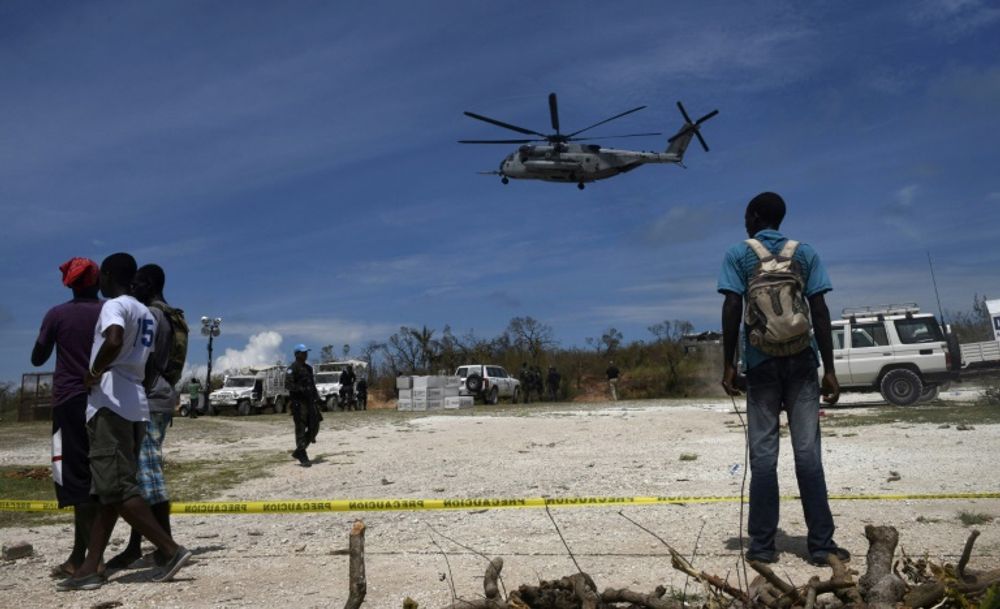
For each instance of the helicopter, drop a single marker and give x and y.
(561, 159)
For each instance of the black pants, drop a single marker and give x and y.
(306, 417)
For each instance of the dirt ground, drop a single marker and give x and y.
(604, 449)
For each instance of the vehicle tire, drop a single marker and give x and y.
(901, 387)
(930, 393)
(514, 397)
(279, 404)
(474, 383)
(494, 397)
(243, 408)
(329, 404)
(183, 411)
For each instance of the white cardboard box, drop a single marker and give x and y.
(406, 394)
(427, 393)
(404, 405)
(423, 382)
(404, 382)
(465, 401)
(451, 392)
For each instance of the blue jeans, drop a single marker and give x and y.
(789, 384)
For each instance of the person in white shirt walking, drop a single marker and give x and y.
(117, 410)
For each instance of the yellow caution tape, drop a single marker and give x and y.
(472, 503)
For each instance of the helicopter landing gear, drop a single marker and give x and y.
(580, 185)
(504, 180)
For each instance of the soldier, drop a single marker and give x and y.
(362, 394)
(552, 384)
(524, 376)
(304, 397)
(194, 388)
(537, 382)
(347, 378)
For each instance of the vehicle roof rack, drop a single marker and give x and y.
(908, 308)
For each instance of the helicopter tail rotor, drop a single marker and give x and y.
(678, 143)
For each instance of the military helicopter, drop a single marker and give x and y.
(560, 159)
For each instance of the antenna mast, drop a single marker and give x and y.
(934, 281)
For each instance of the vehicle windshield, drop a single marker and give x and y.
(239, 381)
(922, 330)
(327, 377)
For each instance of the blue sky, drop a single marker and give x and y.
(294, 166)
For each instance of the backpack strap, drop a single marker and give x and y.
(759, 249)
(789, 249)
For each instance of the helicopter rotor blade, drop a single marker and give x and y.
(554, 112)
(687, 119)
(494, 121)
(499, 141)
(692, 126)
(607, 120)
(609, 137)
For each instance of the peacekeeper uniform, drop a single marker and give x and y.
(304, 397)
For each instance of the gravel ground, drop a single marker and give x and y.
(626, 448)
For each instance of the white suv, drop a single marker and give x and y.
(894, 349)
(488, 382)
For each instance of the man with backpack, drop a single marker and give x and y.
(163, 370)
(786, 333)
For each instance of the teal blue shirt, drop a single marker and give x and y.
(738, 267)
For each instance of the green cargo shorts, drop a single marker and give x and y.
(114, 456)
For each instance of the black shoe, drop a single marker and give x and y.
(819, 559)
(764, 557)
(297, 454)
(304, 459)
(180, 558)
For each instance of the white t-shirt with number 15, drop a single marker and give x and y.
(121, 387)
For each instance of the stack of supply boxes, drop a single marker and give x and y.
(430, 393)
(404, 384)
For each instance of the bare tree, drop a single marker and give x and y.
(326, 354)
(529, 335)
(611, 339)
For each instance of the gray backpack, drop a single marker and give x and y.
(777, 315)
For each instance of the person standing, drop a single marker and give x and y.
(552, 384)
(194, 390)
(69, 329)
(524, 377)
(163, 368)
(612, 372)
(116, 412)
(348, 400)
(780, 359)
(304, 397)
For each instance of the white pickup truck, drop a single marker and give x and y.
(895, 350)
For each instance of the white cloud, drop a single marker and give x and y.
(262, 349)
(900, 213)
(317, 331)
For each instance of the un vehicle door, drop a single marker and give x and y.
(868, 351)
